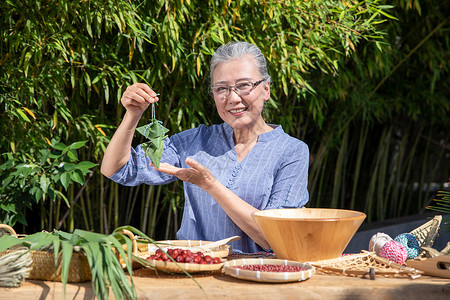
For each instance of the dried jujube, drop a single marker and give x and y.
(271, 268)
(184, 256)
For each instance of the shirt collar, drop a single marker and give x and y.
(264, 137)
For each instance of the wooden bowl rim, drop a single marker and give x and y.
(358, 215)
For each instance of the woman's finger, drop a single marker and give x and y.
(166, 168)
(194, 164)
(146, 92)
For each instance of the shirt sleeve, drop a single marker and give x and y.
(290, 187)
(138, 170)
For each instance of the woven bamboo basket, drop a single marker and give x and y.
(362, 264)
(426, 233)
(368, 263)
(43, 265)
(138, 249)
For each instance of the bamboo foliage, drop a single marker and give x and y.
(361, 83)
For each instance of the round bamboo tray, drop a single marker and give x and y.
(144, 250)
(229, 268)
(221, 251)
(182, 267)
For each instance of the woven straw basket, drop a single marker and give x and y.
(364, 263)
(139, 250)
(426, 233)
(43, 266)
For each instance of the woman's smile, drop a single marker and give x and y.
(238, 111)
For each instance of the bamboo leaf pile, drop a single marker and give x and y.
(108, 276)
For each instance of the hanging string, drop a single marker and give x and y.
(153, 111)
(153, 118)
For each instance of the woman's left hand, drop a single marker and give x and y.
(197, 174)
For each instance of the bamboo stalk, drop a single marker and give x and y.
(339, 170)
(382, 175)
(72, 204)
(407, 174)
(371, 192)
(423, 172)
(131, 204)
(89, 210)
(102, 195)
(58, 210)
(168, 222)
(399, 173)
(84, 213)
(360, 152)
(152, 223)
(116, 206)
(146, 208)
(50, 216)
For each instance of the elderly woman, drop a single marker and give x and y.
(229, 170)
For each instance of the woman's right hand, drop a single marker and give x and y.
(137, 98)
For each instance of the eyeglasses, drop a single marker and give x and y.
(242, 88)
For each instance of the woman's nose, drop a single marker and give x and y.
(233, 95)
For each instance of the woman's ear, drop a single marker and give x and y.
(267, 91)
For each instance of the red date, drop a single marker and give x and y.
(271, 268)
(184, 256)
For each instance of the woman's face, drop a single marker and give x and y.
(240, 112)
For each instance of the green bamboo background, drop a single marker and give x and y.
(364, 84)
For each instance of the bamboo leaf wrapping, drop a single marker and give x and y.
(156, 133)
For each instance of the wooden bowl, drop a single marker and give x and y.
(308, 234)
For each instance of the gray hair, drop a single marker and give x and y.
(235, 50)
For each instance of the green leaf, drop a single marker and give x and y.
(72, 155)
(86, 165)
(155, 132)
(77, 176)
(68, 167)
(44, 183)
(67, 250)
(65, 180)
(77, 145)
(38, 195)
(59, 146)
(61, 195)
(23, 115)
(8, 241)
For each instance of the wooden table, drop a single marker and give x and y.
(152, 285)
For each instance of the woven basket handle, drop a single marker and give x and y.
(133, 239)
(9, 228)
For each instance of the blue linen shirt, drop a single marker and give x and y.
(274, 174)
